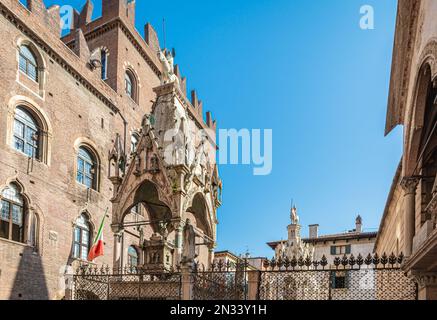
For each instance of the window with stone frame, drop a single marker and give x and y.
(340, 250)
(26, 133)
(86, 168)
(12, 214)
(81, 238)
(128, 84)
(28, 63)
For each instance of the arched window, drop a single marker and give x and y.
(81, 238)
(28, 63)
(104, 61)
(26, 133)
(86, 168)
(134, 142)
(129, 84)
(12, 216)
(132, 257)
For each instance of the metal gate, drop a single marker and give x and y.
(220, 282)
(125, 284)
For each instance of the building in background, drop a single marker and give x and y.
(82, 124)
(329, 246)
(408, 224)
(230, 261)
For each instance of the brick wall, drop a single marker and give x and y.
(77, 109)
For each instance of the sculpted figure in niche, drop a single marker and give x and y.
(189, 249)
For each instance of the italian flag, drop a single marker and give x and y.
(97, 248)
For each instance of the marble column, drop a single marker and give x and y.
(117, 250)
(409, 184)
(178, 241)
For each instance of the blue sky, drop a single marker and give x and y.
(306, 70)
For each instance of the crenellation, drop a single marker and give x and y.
(85, 16)
(194, 99)
(151, 37)
(80, 46)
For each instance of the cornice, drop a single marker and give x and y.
(404, 43)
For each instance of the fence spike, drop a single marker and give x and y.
(352, 260)
(323, 261)
(368, 260)
(337, 262)
(344, 261)
(376, 260)
(384, 259)
(401, 258)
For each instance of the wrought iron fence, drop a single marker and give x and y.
(125, 284)
(220, 282)
(348, 278)
(372, 277)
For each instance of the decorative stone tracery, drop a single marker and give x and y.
(172, 189)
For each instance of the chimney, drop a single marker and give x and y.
(358, 224)
(314, 231)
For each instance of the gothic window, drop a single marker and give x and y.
(128, 84)
(13, 212)
(28, 63)
(104, 61)
(132, 256)
(86, 168)
(26, 133)
(134, 142)
(81, 238)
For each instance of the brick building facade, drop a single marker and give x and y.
(72, 124)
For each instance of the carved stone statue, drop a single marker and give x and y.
(137, 165)
(168, 74)
(163, 229)
(294, 217)
(146, 123)
(189, 249)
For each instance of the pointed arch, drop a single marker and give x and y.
(131, 84)
(14, 213)
(199, 208)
